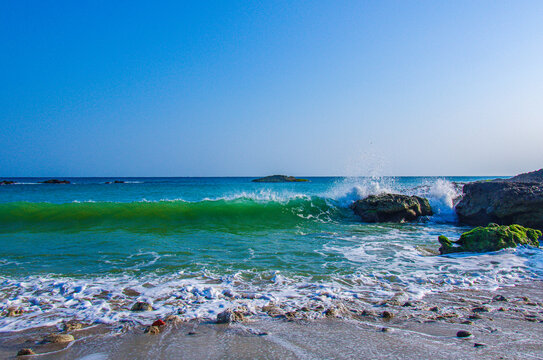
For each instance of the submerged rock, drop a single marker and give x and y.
(518, 200)
(491, 238)
(391, 208)
(279, 179)
(55, 181)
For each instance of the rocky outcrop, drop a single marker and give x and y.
(279, 179)
(55, 181)
(491, 238)
(518, 200)
(7, 182)
(391, 208)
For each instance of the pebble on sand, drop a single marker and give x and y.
(142, 306)
(59, 338)
(153, 330)
(24, 352)
(463, 334)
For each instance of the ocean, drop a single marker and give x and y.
(195, 246)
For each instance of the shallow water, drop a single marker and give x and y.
(196, 245)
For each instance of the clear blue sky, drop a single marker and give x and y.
(133, 88)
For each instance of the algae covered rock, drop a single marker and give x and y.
(491, 238)
(391, 208)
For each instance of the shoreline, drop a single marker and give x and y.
(427, 328)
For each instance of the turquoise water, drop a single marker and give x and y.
(199, 244)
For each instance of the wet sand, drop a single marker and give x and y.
(502, 328)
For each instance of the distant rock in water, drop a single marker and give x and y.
(118, 182)
(494, 237)
(518, 200)
(7, 182)
(391, 208)
(279, 179)
(55, 181)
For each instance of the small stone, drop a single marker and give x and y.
(153, 330)
(479, 345)
(330, 313)
(407, 303)
(499, 298)
(387, 315)
(131, 292)
(368, 313)
(173, 319)
(475, 317)
(12, 312)
(228, 316)
(71, 326)
(59, 338)
(158, 322)
(501, 309)
(434, 309)
(142, 306)
(385, 329)
(24, 352)
(463, 334)
(467, 322)
(191, 333)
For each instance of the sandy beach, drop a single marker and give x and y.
(504, 324)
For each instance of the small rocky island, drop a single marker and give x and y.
(279, 179)
(7, 182)
(55, 181)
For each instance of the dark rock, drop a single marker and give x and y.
(480, 309)
(228, 316)
(499, 298)
(518, 200)
(7, 182)
(479, 345)
(55, 181)
(391, 208)
(118, 182)
(463, 334)
(24, 352)
(434, 309)
(141, 306)
(407, 303)
(491, 238)
(131, 292)
(279, 179)
(387, 315)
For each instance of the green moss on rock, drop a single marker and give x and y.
(491, 238)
